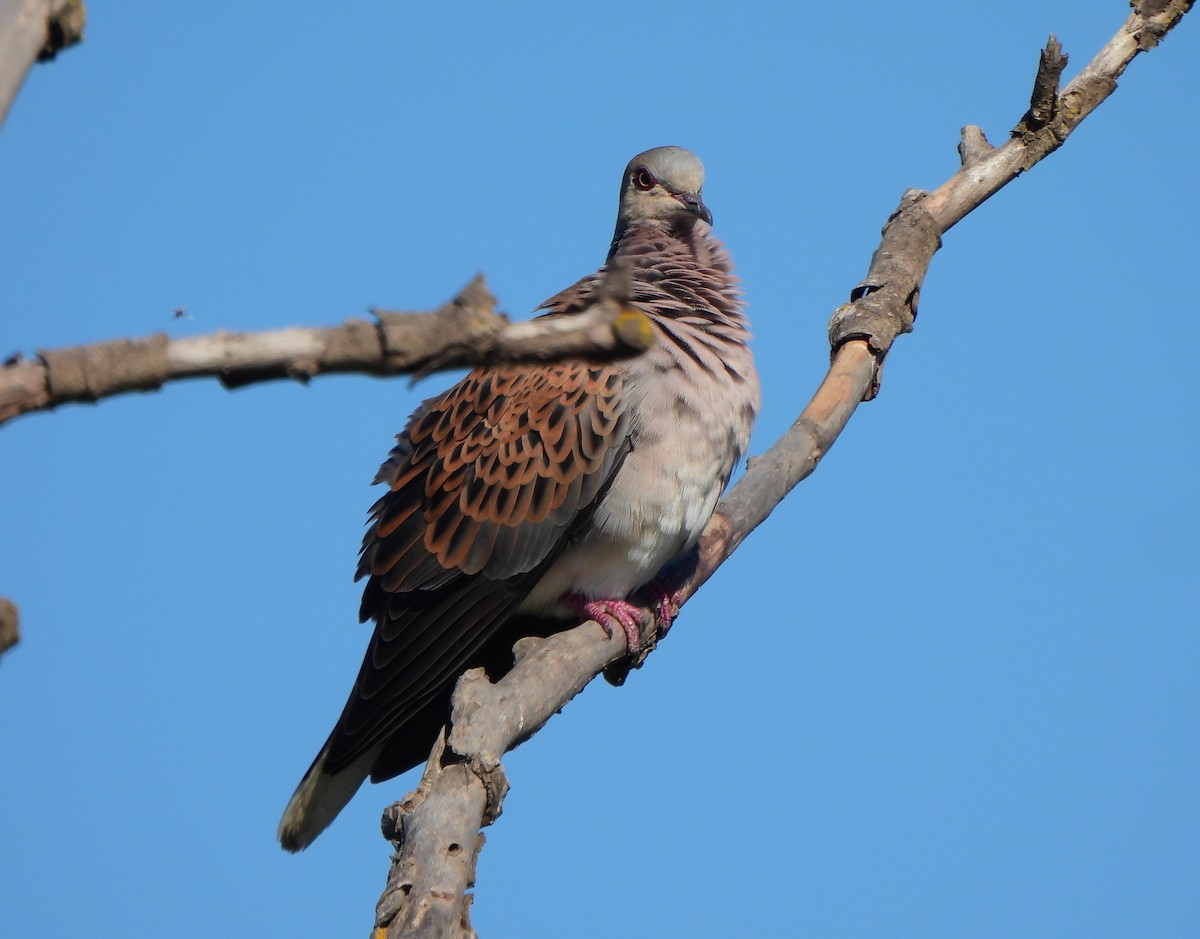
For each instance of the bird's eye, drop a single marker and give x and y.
(643, 180)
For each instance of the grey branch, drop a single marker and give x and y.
(33, 31)
(436, 828)
(466, 331)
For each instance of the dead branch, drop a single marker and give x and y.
(436, 828)
(465, 331)
(33, 31)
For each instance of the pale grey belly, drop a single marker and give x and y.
(655, 510)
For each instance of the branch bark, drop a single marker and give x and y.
(33, 31)
(465, 331)
(435, 829)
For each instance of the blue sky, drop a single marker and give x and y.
(948, 689)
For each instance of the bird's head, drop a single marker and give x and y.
(663, 186)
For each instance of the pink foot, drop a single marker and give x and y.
(609, 612)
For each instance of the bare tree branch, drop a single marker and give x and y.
(436, 828)
(1052, 118)
(465, 331)
(33, 31)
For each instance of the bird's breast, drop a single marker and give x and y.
(683, 451)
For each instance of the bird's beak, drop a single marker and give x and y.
(692, 202)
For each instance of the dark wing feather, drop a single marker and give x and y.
(487, 485)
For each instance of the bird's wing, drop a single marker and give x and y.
(575, 298)
(489, 482)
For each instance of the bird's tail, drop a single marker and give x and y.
(319, 797)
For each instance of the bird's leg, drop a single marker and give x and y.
(609, 612)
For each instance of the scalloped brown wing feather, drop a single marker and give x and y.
(487, 485)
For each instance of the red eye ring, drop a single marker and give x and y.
(644, 180)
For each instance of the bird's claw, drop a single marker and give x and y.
(609, 614)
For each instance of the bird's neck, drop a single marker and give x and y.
(683, 229)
